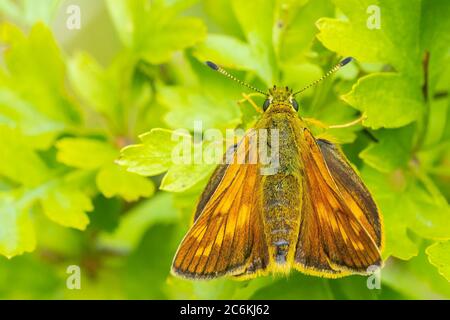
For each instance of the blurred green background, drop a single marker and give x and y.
(72, 98)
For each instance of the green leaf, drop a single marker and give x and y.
(11, 9)
(67, 206)
(37, 72)
(106, 213)
(97, 86)
(395, 42)
(174, 152)
(439, 256)
(215, 289)
(43, 11)
(116, 93)
(401, 41)
(22, 272)
(18, 157)
(152, 156)
(435, 39)
(18, 113)
(85, 153)
(140, 271)
(387, 99)
(133, 225)
(257, 53)
(406, 206)
(297, 30)
(227, 51)
(434, 159)
(221, 12)
(135, 20)
(183, 177)
(201, 91)
(257, 20)
(437, 123)
(187, 107)
(113, 180)
(17, 233)
(299, 75)
(69, 241)
(297, 287)
(30, 11)
(393, 150)
(32, 95)
(415, 279)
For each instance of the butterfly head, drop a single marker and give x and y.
(280, 95)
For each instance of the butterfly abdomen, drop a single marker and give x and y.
(281, 217)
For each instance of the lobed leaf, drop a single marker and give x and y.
(439, 256)
(113, 180)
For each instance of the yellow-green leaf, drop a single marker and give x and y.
(67, 206)
(17, 157)
(113, 180)
(85, 153)
(135, 20)
(164, 150)
(439, 256)
(17, 233)
(388, 100)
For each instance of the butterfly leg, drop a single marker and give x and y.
(349, 124)
(336, 126)
(248, 97)
(316, 122)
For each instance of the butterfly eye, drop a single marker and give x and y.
(294, 104)
(266, 104)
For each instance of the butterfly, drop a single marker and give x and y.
(314, 214)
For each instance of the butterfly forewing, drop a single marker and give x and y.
(227, 237)
(335, 236)
(352, 189)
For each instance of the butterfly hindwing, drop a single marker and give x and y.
(335, 237)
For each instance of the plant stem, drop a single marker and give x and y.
(423, 124)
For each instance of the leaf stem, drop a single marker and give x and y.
(423, 124)
(428, 183)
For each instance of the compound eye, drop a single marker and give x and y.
(266, 104)
(294, 104)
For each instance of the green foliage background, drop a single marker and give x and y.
(70, 100)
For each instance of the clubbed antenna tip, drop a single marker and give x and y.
(215, 67)
(212, 65)
(345, 61)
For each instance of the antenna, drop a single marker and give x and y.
(326, 75)
(215, 67)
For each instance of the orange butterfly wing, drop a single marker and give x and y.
(336, 234)
(227, 237)
(353, 190)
